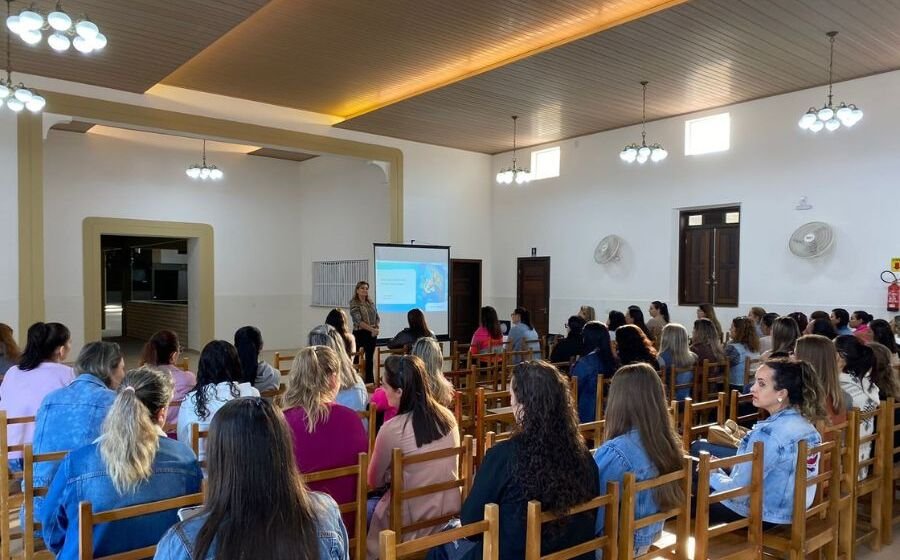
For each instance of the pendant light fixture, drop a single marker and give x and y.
(514, 173)
(641, 153)
(828, 116)
(16, 96)
(63, 31)
(203, 171)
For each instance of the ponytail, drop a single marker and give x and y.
(311, 383)
(804, 388)
(43, 340)
(248, 342)
(663, 310)
(131, 435)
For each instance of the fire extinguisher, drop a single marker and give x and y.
(893, 298)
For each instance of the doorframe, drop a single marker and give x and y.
(519, 283)
(480, 264)
(95, 227)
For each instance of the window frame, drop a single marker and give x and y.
(536, 154)
(688, 128)
(714, 218)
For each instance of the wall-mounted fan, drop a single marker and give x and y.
(811, 240)
(608, 249)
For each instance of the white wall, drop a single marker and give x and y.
(270, 218)
(9, 224)
(850, 177)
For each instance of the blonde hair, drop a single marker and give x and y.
(821, 354)
(587, 313)
(130, 432)
(311, 383)
(674, 339)
(326, 335)
(705, 333)
(430, 351)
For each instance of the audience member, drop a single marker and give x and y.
(39, 372)
(218, 381)
(614, 320)
(256, 505)
(819, 314)
(822, 327)
(855, 362)
(9, 350)
(884, 335)
(675, 352)
(840, 318)
(522, 335)
(163, 351)
(598, 360)
(765, 341)
(421, 425)
(633, 347)
(883, 375)
(418, 328)
(488, 337)
(659, 318)
(352, 391)
(248, 342)
(572, 345)
(801, 320)
(707, 311)
(133, 462)
(785, 333)
(819, 352)
(634, 316)
(859, 322)
(546, 459)
(640, 438)
(756, 315)
(587, 313)
(429, 350)
(326, 435)
(338, 319)
(707, 344)
(743, 344)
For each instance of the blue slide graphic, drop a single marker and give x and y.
(402, 286)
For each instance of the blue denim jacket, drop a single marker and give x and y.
(622, 454)
(780, 434)
(68, 418)
(83, 476)
(681, 377)
(178, 542)
(587, 369)
(737, 356)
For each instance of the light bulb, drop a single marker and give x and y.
(15, 104)
(623, 155)
(31, 36)
(30, 20)
(82, 45)
(24, 95)
(832, 124)
(59, 42)
(215, 174)
(857, 114)
(844, 113)
(825, 113)
(59, 21)
(629, 154)
(807, 119)
(36, 103)
(658, 154)
(520, 178)
(87, 29)
(4, 91)
(508, 176)
(642, 158)
(193, 172)
(99, 42)
(499, 177)
(817, 126)
(204, 173)
(14, 24)
(644, 151)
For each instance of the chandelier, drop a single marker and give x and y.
(16, 96)
(203, 171)
(514, 173)
(828, 116)
(63, 32)
(641, 153)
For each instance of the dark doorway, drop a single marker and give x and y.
(465, 298)
(710, 256)
(533, 291)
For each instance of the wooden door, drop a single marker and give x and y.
(709, 260)
(696, 266)
(465, 298)
(725, 285)
(533, 290)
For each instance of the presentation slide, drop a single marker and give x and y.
(410, 276)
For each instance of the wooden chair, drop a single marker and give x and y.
(184, 364)
(369, 416)
(867, 476)
(573, 388)
(628, 524)
(673, 387)
(196, 435)
(10, 497)
(713, 375)
(721, 541)
(274, 395)
(488, 529)
(499, 402)
(607, 542)
(172, 428)
(891, 506)
(512, 358)
(696, 421)
(736, 401)
(603, 384)
(487, 373)
(87, 520)
(399, 494)
(357, 507)
(593, 433)
(279, 359)
(463, 399)
(30, 526)
(381, 354)
(359, 361)
(565, 367)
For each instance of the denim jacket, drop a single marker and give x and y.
(68, 418)
(622, 454)
(780, 434)
(737, 354)
(587, 369)
(178, 542)
(83, 476)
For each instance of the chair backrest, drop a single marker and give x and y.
(369, 416)
(492, 408)
(492, 438)
(487, 373)
(196, 435)
(712, 374)
(488, 529)
(703, 533)
(172, 428)
(87, 519)
(606, 542)
(593, 432)
(280, 359)
(29, 525)
(696, 418)
(673, 387)
(357, 507)
(603, 384)
(827, 482)
(739, 400)
(381, 354)
(872, 445)
(628, 524)
(359, 360)
(9, 500)
(274, 395)
(399, 493)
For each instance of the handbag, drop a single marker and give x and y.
(728, 435)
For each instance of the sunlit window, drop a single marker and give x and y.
(707, 135)
(545, 163)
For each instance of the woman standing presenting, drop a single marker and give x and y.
(365, 323)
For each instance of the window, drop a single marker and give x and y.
(334, 281)
(545, 163)
(709, 256)
(707, 135)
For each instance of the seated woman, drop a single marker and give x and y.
(337, 318)
(572, 345)
(785, 333)
(885, 378)
(9, 350)
(218, 381)
(659, 318)
(71, 417)
(418, 328)
(859, 322)
(884, 335)
(248, 342)
(634, 316)
(821, 326)
(326, 435)
(429, 351)
(163, 351)
(707, 311)
(587, 313)
(522, 335)
(39, 372)
(633, 346)
(256, 503)
(352, 391)
(488, 338)
(133, 462)
(792, 395)
(546, 459)
(855, 362)
(743, 344)
(614, 320)
(640, 438)
(421, 425)
(675, 352)
(819, 352)
(756, 315)
(599, 360)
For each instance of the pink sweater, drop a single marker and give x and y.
(184, 384)
(21, 394)
(380, 400)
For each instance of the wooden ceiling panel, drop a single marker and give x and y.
(276, 153)
(148, 39)
(697, 55)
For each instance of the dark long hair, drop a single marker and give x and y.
(8, 347)
(785, 333)
(430, 420)
(417, 324)
(883, 334)
(804, 388)
(255, 498)
(553, 463)
(490, 321)
(596, 339)
(160, 348)
(576, 325)
(43, 340)
(248, 342)
(637, 319)
(615, 320)
(524, 317)
(663, 309)
(842, 316)
(634, 347)
(858, 358)
(800, 318)
(219, 363)
(825, 328)
(862, 316)
(337, 318)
